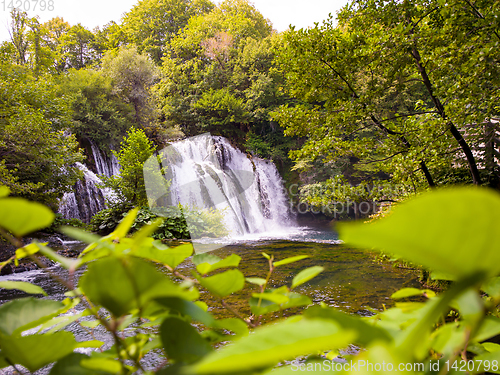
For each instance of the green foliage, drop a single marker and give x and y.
(132, 76)
(98, 113)
(164, 19)
(36, 156)
(389, 97)
(129, 184)
(149, 311)
(219, 76)
(139, 295)
(203, 223)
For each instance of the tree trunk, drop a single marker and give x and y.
(476, 178)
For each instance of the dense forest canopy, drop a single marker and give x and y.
(390, 92)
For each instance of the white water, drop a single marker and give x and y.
(86, 199)
(208, 172)
(105, 165)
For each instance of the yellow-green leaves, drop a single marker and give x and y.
(24, 286)
(224, 284)
(206, 263)
(306, 275)
(22, 314)
(454, 231)
(124, 284)
(269, 345)
(21, 217)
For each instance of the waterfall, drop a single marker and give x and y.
(208, 172)
(107, 166)
(86, 199)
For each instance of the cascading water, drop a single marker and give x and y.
(107, 166)
(87, 198)
(208, 172)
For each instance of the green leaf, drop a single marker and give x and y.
(256, 280)
(205, 258)
(366, 332)
(265, 255)
(80, 234)
(130, 284)
(223, 284)
(4, 191)
(489, 328)
(492, 287)
(146, 231)
(412, 292)
(103, 365)
(271, 344)
(182, 342)
(187, 308)
(306, 275)
(37, 351)
(71, 364)
(123, 228)
(290, 260)
(26, 313)
(68, 263)
(21, 217)
(436, 230)
(273, 297)
(232, 324)
(24, 286)
(231, 261)
(486, 364)
(27, 250)
(171, 256)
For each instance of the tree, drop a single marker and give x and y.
(129, 184)
(98, 113)
(37, 156)
(383, 96)
(152, 23)
(133, 75)
(77, 47)
(218, 75)
(18, 34)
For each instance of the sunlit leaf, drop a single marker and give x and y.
(124, 227)
(71, 364)
(412, 292)
(271, 344)
(26, 313)
(367, 332)
(290, 260)
(256, 280)
(231, 261)
(24, 286)
(21, 217)
(130, 283)
(37, 351)
(157, 252)
(223, 284)
(455, 231)
(306, 275)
